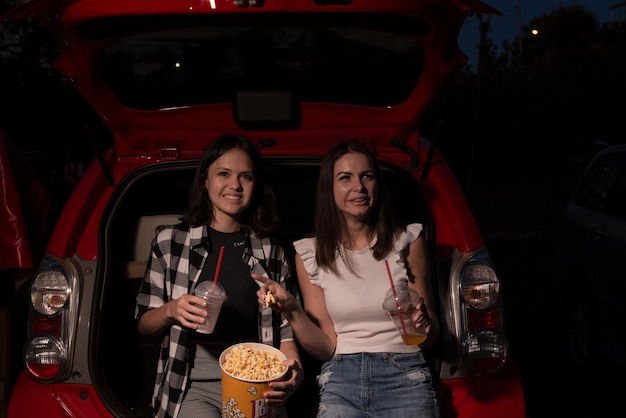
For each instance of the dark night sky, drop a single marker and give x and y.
(508, 25)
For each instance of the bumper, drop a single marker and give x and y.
(32, 399)
(495, 397)
(458, 398)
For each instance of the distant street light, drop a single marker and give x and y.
(534, 32)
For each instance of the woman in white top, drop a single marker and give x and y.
(367, 370)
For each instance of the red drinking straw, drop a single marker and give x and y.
(217, 269)
(395, 296)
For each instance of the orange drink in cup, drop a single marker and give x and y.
(400, 304)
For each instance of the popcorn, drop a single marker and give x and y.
(246, 362)
(269, 299)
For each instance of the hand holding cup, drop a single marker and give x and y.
(405, 307)
(214, 295)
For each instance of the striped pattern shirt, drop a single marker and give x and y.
(178, 253)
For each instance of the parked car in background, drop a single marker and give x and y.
(592, 260)
(164, 79)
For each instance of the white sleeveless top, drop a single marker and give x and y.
(355, 304)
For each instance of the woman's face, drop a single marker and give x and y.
(230, 183)
(354, 185)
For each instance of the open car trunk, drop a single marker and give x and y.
(125, 372)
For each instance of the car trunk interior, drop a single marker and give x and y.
(156, 195)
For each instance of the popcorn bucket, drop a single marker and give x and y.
(247, 368)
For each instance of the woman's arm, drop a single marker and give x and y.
(314, 328)
(419, 265)
(316, 331)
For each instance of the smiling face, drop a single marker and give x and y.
(354, 185)
(230, 183)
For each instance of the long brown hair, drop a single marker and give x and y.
(329, 224)
(261, 217)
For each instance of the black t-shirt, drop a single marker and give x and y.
(238, 318)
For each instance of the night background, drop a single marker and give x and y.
(517, 127)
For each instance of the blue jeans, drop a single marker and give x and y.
(365, 385)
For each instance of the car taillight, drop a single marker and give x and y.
(45, 357)
(49, 292)
(484, 344)
(53, 301)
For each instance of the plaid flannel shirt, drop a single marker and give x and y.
(177, 255)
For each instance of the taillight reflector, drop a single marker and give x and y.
(47, 325)
(44, 356)
(485, 351)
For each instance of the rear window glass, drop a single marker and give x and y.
(359, 60)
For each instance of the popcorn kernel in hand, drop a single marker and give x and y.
(269, 299)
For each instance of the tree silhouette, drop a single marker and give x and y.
(542, 107)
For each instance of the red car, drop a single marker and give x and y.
(163, 79)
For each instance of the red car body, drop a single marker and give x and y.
(66, 371)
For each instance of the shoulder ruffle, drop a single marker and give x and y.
(410, 234)
(305, 247)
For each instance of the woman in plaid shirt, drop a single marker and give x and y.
(229, 205)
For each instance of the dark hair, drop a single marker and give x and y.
(261, 217)
(329, 225)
